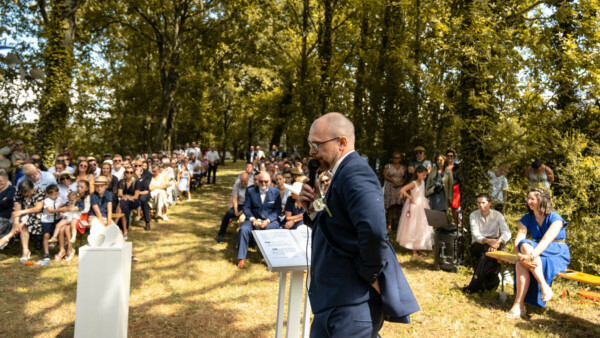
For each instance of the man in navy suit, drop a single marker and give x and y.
(261, 207)
(356, 281)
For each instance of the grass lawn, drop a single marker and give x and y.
(187, 285)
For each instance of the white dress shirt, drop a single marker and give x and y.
(492, 226)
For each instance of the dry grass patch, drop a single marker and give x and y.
(187, 285)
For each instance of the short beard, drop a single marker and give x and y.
(265, 188)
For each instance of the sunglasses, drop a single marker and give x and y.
(137, 165)
(117, 161)
(83, 165)
(263, 181)
(324, 181)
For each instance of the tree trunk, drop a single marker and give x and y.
(325, 56)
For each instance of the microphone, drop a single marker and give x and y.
(313, 166)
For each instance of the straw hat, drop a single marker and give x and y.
(295, 171)
(67, 174)
(101, 180)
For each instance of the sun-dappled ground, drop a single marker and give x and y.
(187, 285)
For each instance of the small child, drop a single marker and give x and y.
(50, 216)
(69, 218)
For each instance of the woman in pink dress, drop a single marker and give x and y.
(395, 176)
(414, 233)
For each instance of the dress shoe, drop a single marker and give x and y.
(220, 239)
(147, 228)
(242, 264)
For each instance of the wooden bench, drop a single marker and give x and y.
(505, 257)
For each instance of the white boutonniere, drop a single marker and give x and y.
(319, 204)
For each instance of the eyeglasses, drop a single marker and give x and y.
(449, 155)
(129, 172)
(324, 181)
(263, 181)
(83, 165)
(315, 145)
(117, 161)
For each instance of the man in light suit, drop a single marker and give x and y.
(250, 155)
(261, 207)
(356, 281)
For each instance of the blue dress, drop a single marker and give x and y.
(183, 181)
(555, 258)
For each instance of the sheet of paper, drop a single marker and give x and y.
(302, 236)
(280, 249)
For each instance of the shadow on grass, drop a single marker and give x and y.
(561, 324)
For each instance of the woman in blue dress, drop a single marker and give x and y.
(540, 258)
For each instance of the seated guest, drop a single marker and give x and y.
(101, 210)
(40, 179)
(113, 185)
(27, 215)
(94, 165)
(7, 195)
(117, 166)
(129, 194)
(250, 171)
(296, 172)
(293, 209)
(36, 160)
(195, 168)
(83, 172)
(66, 183)
(158, 193)
(540, 258)
(144, 177)
(238, 197)
(261, 207)
(285, 193)
(486, 224)
(169, 175)
(324, 180)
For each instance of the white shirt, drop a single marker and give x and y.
(499, 184)
(192, 164)
(97, 172)
(489, 227)
(259, 154)
(48, 217)
(196, 151)
(212, 156)
(118, 173)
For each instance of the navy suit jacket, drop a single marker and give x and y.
(351, 249)
(270, 209)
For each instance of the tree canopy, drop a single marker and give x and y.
(497, 81)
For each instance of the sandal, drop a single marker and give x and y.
(60, 255)
(546, 297)
(3, 242)
(53, 240)
(25, 257)
(69, 256)
(513, 314)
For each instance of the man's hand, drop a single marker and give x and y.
(238, 213)
(493, 243)
(307, 196)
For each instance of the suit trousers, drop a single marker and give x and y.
(228, 216)
(244, 236)
(359, 320)
(145, 202)
(126, 207)
(211, 168)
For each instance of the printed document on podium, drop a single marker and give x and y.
(283, 249)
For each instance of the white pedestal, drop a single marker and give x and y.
(103, 291)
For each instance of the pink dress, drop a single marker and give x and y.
(414, 232)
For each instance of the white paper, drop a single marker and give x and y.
(282, 250)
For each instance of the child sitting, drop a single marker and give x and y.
(50, 215)
(70, 217)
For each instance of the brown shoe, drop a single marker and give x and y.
(242, 264)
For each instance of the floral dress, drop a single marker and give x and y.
(33, 222)
(391, 194)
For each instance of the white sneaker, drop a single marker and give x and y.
(164, 218)
(138, 218)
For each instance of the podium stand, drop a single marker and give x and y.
(285, 252)
(102, 306)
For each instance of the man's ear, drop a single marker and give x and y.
(343, 142)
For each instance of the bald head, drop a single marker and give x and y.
(334, 125)
(29, 169)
